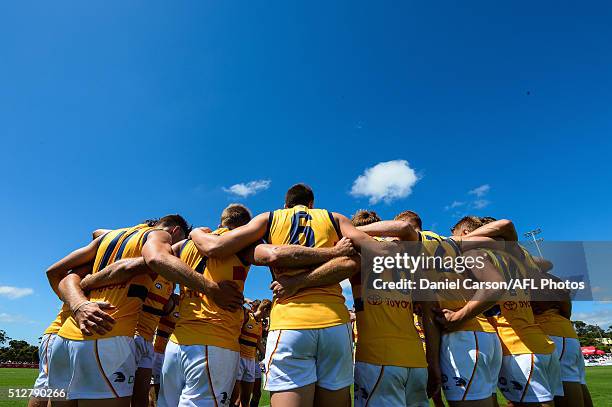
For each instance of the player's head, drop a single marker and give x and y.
(235, 215)
(364, 217)
(263, 309)
(412, 218)
(466, 225)
(299, 194)
(487, 219)
(176, 225)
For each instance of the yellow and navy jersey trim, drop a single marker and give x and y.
(294, 226)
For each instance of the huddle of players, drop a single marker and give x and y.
(101, 351)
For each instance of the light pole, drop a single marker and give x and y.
(532, 235)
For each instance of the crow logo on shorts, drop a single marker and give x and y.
(460, 381)
(516, 385)
(119, 377)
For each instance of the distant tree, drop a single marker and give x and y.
(3, 337)
(18, 351)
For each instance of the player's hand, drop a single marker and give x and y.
(91, 318)
(226, 295)
(284, 287)
(204, 229)
(344, 248)
(448, 319)
(434, 381)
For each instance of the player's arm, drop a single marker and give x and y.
(79, 257)
(296, 256)
(99, 232)
(88, 315)
(331, 272)
(432, 346)
(503, 228)
(347, 229)
(391, 228)
(233, 241)
(482, 299)
(544, 265)
(118, 272)
(159, 257)
(261, 347)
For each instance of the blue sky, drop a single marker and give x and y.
(114, 112)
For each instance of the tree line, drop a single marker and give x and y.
(16, 351)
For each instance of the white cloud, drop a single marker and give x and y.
(250, 188)
(480, 191)
(14, 292)
(454, 205)
(347, 291)
(480, 203)
(11, 318)
(385, 181)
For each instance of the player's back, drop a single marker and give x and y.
(201, 321)
(440, 249)
(386, 336)
(166, 326)
(127, 298)
(310, 308)
(249, 337)
(515, 322)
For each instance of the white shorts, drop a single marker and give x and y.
(259, 370)
(530, 378)
(569, 354)
(197, 376)
(297, 358)
(469, 362)
(144, 353)
(158, 361)
(377, 385)
(247, 369)
(93, 369)
(44, 353)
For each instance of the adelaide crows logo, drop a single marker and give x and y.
(119, 377)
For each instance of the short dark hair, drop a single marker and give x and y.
(299, 194)
(174, 220)
(265, 304)
(364, 217)
(487, 219)
(235, 215)
(469, 223)
(411, 217)
(150, 222)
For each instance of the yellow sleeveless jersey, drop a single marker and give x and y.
(553, 323)
(249, 337)
(442, 247)
(166, 326)
(127, 298)
(316, 307)
(515, 323)
(153, 307)
(59, 320)
(201, 321)
(387, 335)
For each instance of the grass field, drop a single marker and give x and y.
(599, 379)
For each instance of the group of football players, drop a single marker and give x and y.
(124, 338)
